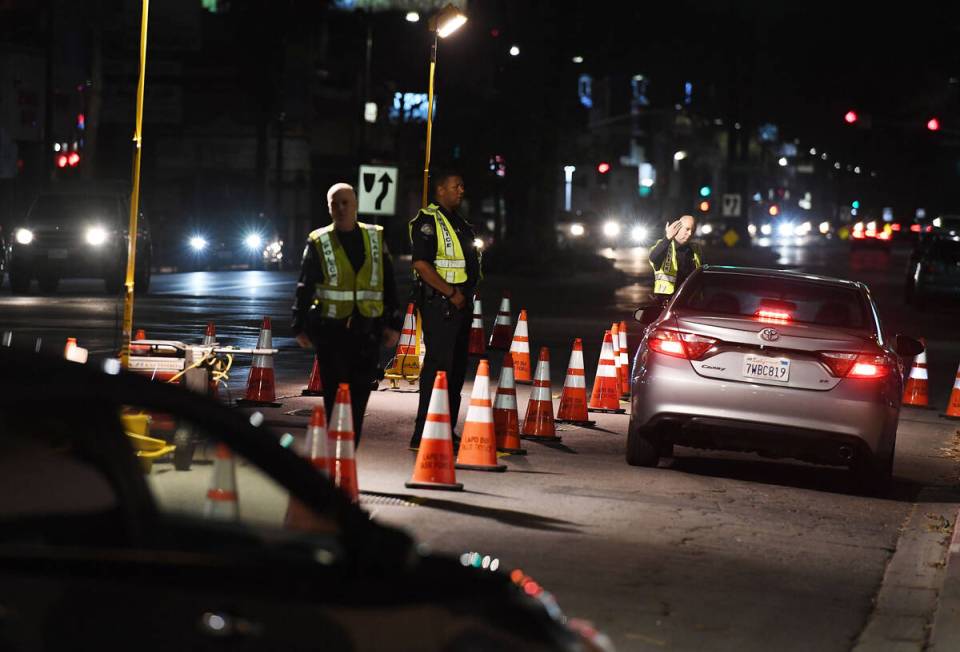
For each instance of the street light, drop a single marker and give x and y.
(447, 21)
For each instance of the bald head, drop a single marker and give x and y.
(342, 202)
(687, 225)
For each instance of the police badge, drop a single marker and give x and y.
(426, 229)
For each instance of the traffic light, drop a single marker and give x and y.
(851, 117)
(774, 210)
(603, 167)
(705, 191)
(704, 206)
(603, 171)
(855, 203)
(65, 160)
(933, 124)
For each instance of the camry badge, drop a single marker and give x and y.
(769, 335)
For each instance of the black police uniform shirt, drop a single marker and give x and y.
(311, 272)
(424, 245)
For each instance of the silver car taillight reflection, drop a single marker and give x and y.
(679, 344)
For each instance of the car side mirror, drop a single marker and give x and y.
(907, 346)
(646, 315)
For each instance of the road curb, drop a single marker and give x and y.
(945, 634)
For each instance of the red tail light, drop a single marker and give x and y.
(895, 227)
(858, 235)
(856, 365)
(678, 344)
(773, 316)
(883, 235)
(915, 228)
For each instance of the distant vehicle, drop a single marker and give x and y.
(872, 233)
(776, 362)
(97, 544)
(242, 243)
(76, 234)
(933, 270)
(590, 230)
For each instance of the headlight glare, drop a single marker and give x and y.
(96, 236)
(24, 236)
(197, 243)
(253, 241)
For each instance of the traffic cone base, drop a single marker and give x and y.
(577, 422)
(434, 468)
(315, 386)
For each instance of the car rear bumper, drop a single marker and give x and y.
(772, 419)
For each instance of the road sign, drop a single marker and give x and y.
(377, 190)
(731, 205)
(730, 238)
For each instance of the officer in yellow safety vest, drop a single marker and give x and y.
(346, 303)
(446, 263)
(674, 258)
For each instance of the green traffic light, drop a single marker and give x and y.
(705, 191)
(855, 203)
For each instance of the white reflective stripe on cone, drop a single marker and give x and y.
(342, 419)
(263, 361)
(576, 360)
(522, 329)
(520, 347)
(480, 414)
(505, 402)
(918, 373)
(437, 430)
(543, 372)
(956, 383)
(607, 371)
(503, 320)
(343, 449)
(315, 445)
(575, 382)
(265, 340)
(541, 394)
(477, 323)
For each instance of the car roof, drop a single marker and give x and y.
(785, 274)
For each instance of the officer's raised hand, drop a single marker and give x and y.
(673, 228)
(457, 298)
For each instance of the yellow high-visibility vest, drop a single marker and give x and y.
(665, 278)
(341, 288)
(450, 261)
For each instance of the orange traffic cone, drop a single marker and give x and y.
(315, 386)
(343, 465)
(314, 449)
(506, 418)
(210, 337)
(139, 349)
(953, 407)
(615, 340)
(222, 496)
(538, 424)
(624, 363)
(406, 362)
(573, 401)
(261, 385)
(521, 352)
(478, 444)
(478, 344)
(500, 338)
(434, 466)
(915, 390)
(606, 396)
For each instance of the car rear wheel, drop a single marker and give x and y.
(642, 447)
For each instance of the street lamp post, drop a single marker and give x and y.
(445, 23)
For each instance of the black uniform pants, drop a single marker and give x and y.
(447, 340)
(346, 356)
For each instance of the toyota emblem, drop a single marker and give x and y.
(769, 335)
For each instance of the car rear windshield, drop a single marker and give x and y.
(770, 298)
(76, 208)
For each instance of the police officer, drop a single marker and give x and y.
(674, 258)
(447, 266)
(346, 302)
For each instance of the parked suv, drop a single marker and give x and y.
(77, 234)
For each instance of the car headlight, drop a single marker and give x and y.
(785, 229)
(706, 229)
(824, 228)
(752, 229)
(638, 234)
(24, 236)
(611, 229)
(96, 236)
(766, 229)
(577, 230)
(197, 243)
(253, 241)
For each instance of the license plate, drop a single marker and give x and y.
(58, 254)
(760, 368)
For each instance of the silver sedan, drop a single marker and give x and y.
(779, 363)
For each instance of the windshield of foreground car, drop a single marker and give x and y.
(799, 301)
(76, 208)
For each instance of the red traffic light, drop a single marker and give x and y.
(933, 124)
(62, 161)
(73, 159)
(603, 168)
(850, 117)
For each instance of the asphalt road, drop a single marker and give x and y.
(709, 551)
